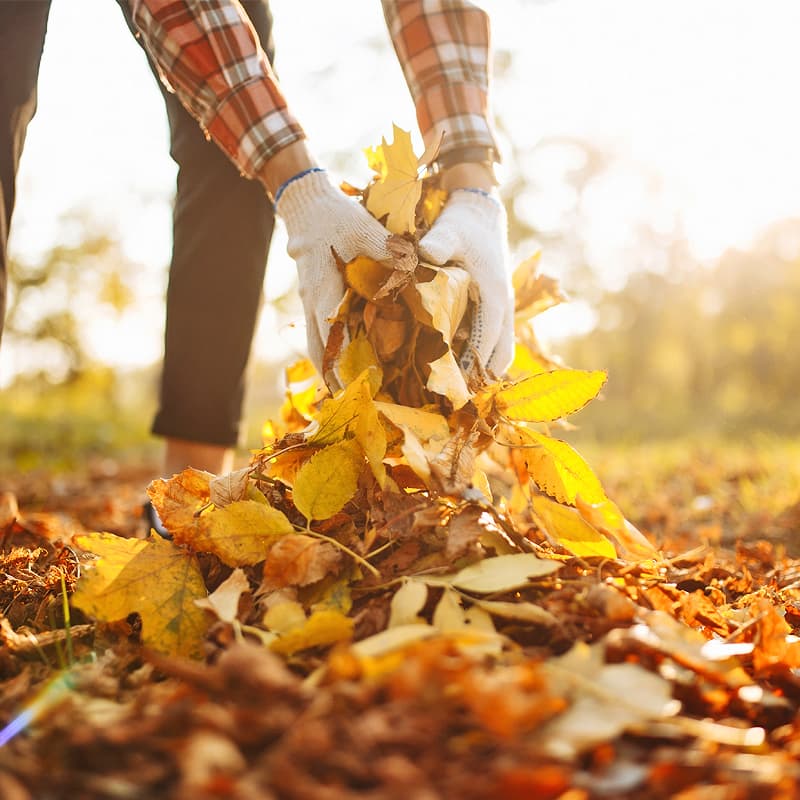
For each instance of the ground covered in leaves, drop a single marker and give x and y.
(676, 678)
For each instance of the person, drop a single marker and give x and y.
(222, 225)
(210, 56)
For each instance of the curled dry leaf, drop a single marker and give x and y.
(224, 600)
(297, 560)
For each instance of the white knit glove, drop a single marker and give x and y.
(472, 232)
(320, 217)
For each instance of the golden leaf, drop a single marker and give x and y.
(328, 480)
(227, 489)
(447, 380)
(359, 355)
(397, 190)
(365, 276)
(239, 534)
(178, 498)
(542, 398)
(322, 628)
(432, 204)
(526, 363)
(153, 578)
(445, 299)
(608, 519)
(567, 527)
(339, 414)
(534, 293)
(426, 425)
(554, 466)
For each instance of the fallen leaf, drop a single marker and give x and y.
(445, 299)
(322, 628)
(153, 578)
(607, 699)
(554, 466)
(224, 600)
(297, 560)
(407, 602)
(447, 380)
(503, 573)
(328, 480)
(239, 534)
(227, 489)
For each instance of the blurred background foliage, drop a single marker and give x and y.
(693, 348)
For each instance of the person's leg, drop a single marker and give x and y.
(23, 24)
(222, 228)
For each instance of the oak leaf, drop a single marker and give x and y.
(152, 578)
(397, 190)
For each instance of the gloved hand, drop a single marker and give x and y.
(471, 231)
(318, 217)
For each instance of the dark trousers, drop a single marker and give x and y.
(222, 226)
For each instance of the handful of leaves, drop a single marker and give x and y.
(385, 493)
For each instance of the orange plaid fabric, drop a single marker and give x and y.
(209, 54)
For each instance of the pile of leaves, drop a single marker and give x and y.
(413, 588)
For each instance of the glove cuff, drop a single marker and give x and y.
(301, 191)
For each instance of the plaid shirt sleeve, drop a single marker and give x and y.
(208, 53)
(444, 48)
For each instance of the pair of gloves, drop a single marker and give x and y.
(470, 231)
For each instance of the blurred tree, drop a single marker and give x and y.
(700, 348)
(51, 297)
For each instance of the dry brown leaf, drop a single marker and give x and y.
(297, 560)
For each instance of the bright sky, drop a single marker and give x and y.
(699, 95)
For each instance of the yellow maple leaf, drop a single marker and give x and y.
(545, 397)
(568, 528)
(397, 190)
(328, 480)
(153, 578)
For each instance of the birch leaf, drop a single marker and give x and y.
(328, 480)
(224, 600)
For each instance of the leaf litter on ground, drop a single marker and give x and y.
(414, 587)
